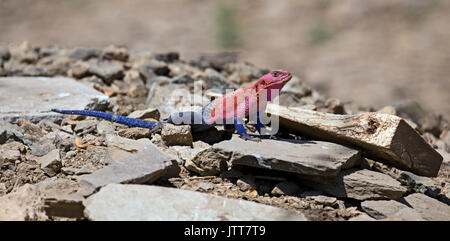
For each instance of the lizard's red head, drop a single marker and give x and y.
(275, 80)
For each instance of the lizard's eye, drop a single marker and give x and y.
(263, 82)
(275, 74)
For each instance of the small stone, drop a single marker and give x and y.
(285, 188)
(133, 76)
(152, 67)
(119, 147)
(135, 133)
(420, 184)
(325, 200)
(204, 186)
(215, 80)
(410, 109)
(243, 72)
(137, 91)
(431, 122)
(15, 146)
(51, 163)
(208, 162)
(168, 57)
(54, 65)
(151, 113)
(218, 61)
(390, 110)
(63, 140)
(177, 135)
(9, 156)
(31, 131)
(68, 170)
(93, 81)
(334, 106)
(85, 126)
(42, 147)
(4, 53)
(24, 53)
(10, 131)
(446, 156)
(145, 202)
(183, 79)
(107, 70)
(78, 72)
(430, 139)
(115, 53)
(85, 169)
(48, 50)
(445, 137)
(84, 53)
(186, 153)
(105, 127)
(245, 184)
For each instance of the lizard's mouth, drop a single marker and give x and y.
(287, 78)
(283, 81)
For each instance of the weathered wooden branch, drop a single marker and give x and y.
(383, 137)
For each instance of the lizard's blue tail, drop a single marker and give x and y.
(111, 117)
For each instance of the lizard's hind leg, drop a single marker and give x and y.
(240, 129)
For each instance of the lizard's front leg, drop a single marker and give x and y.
(241, 130)
(260, 126)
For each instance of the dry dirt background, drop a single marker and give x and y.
(374, 53)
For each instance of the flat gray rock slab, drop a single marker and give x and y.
(302, 157)
(358, 184)
(380, 209)
(383, 137)
(147, 165)
(144, 202)
(32, 98)
(429, 208)
(405, 214)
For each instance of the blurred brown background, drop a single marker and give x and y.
(374, 53)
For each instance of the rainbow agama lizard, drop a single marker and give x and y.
(230, 108)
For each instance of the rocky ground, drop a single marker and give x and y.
(56, 167)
